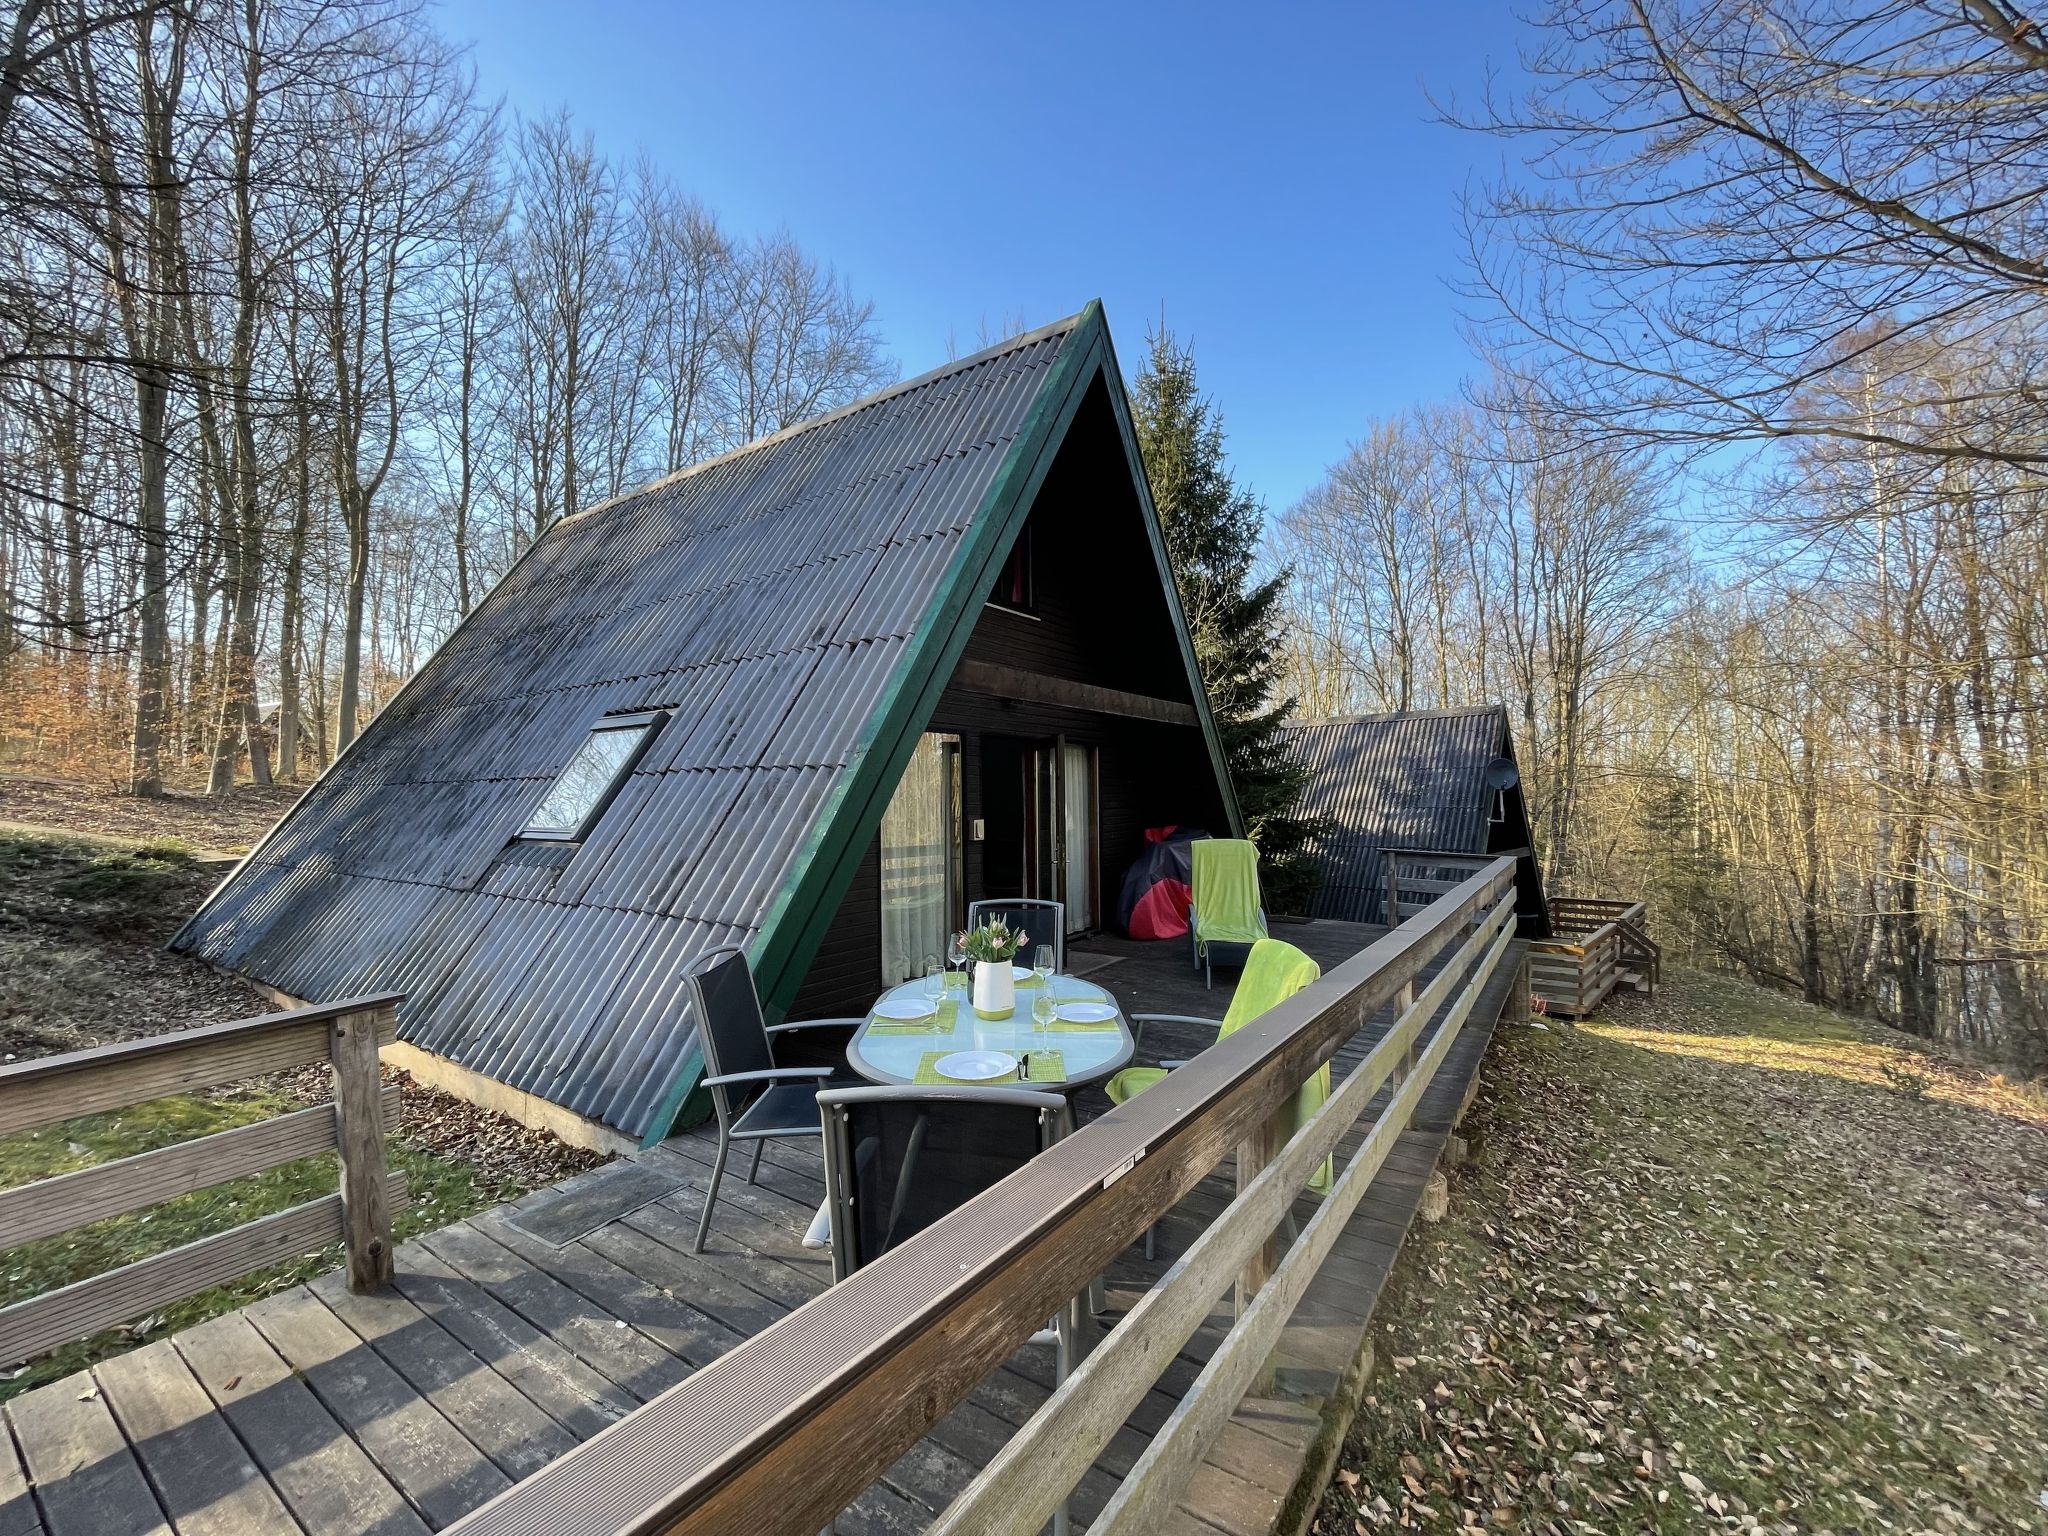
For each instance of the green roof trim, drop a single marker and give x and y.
(1120, 403)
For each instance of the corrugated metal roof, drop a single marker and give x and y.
(765, 598)
(1414, 780)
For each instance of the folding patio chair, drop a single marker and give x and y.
(1224, 911)
(1045, 921)
(1273, 972)
(753, 1097)
(898, 1159)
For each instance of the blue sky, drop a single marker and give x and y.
(1269, 175)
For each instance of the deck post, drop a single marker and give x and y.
(359, 1138)
(1253, 1154)
(1403, 1001)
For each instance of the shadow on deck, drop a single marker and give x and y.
(496, 1351)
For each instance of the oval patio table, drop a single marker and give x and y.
(887, 1051)
(895, 1052)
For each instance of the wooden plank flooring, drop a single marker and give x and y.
(495, 1352)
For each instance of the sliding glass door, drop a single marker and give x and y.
(920, 847)
(1060, 831)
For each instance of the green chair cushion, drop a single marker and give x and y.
(1131, 1082)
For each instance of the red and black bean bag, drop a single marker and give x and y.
(1154, 904)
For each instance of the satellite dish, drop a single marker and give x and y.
(1501, 773)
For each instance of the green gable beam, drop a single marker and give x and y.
(823, 871)
(1120, 404)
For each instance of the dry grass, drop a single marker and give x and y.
(1724, 1262)
(229, 823)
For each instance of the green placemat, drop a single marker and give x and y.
(1046, 1067)
(939, 1024)
(1075, 1027)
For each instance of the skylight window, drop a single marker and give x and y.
(586, 786)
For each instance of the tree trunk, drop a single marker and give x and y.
(152, 643)
(355, 513)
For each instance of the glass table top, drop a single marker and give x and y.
(892, 1052)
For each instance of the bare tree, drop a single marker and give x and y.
(795, 341)
(128, 100)
(1717, 200)
(392, 161)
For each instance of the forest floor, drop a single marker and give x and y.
(1719, 1261)
(228, 823)
(84, 915)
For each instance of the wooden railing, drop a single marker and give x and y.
(1639, 951)
(790, 1426)
(113, 1077)
(1594, 940)
(1585, 914)
(1418, 876)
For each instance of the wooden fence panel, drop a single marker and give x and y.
(53, 1088)
(111, 1077)
(68, 1200)
(28, 1328)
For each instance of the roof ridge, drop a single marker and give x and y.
(1456, 712)
(837, 413)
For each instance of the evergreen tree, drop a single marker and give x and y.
(1212, 526)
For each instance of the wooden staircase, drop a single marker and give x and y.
(1596, 946)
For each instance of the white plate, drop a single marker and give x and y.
(974, 1066)
(905, 1009)
(1087, 1013)
(1021, 973)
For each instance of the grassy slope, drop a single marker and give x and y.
(1722, 1261)
(81, 924)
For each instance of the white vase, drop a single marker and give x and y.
(995, 989)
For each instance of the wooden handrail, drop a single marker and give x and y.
(46, 1089)
(1025, 1481)
(787, 1428)
(1392, 860)
(110, 1077)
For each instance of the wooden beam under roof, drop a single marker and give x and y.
(1043, 688)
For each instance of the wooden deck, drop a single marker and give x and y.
(495, 1351)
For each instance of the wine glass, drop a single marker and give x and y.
(934, 982)
(956, 957)
(1044, 1009)
(1041, 962)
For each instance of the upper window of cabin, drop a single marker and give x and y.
(593, 776)
(1013, 586)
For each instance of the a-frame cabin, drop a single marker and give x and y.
(812, 696)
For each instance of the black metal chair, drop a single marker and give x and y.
(1045, 921)
(898, 1159)
(753, 1098)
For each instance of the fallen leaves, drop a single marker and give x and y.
(1714, 1269)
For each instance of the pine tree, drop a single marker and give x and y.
(1212, 526)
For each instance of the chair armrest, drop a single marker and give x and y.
(1174, 1018)
(773, 1074)
(779, 1029)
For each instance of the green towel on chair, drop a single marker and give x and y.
(1274, 972)
(1226, 891)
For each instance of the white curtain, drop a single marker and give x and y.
(915, 835)
(1077, 768)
